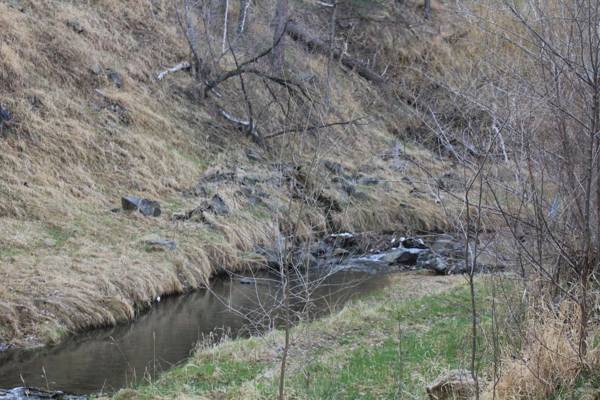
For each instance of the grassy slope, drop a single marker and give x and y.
(386, 346)
(79, 143)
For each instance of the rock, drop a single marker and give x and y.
(22, 393)
(351, 190)
(144, 206)
(402, 256)
(428, 260)
(368, 181)
(344, 240)
(457, 384)
(155, 243)
(5, 117)
(4, 347)
(217, 176)
(246, 280)
(450, 181)
(302, 257)
(216, 205)
(17, 5)
(413, 243)
(253, 155)
(96, 69)
(448, 248)
(75, 25)
(340, 252)
(35, 102)
(334, 167)
(115, 77)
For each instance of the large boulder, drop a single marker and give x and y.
(402, 256)
(446, 246)
(457, 384)
(429, 260)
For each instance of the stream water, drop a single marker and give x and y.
(104, 360)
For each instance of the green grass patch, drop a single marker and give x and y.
(201, 377)
(58, 235)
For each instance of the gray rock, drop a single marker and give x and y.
(368, 181)
(401, 256)
(253, 155)
(22, 393)
(217, 176)
(115, 77)
(17, 5)
(450, 181)
(75, 25)
(413, 243)
(144, 206)
(334, 167)
(448, 248)
(5, 116)
(456, 384)
(96, 69)
(351, 190)
(156, 243)
(428, 260)
(218, 206)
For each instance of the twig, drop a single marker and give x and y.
(314, 127)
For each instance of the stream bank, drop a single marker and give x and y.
(109, 359)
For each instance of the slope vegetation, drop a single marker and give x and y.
(90, 123)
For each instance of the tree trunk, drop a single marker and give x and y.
(279, 23)
(302, 35)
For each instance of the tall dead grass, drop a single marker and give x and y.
(549, 359)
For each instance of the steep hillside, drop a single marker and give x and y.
(90, 123)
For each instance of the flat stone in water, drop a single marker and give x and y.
(22, 393)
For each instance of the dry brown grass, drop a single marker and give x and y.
(550, 358)
(79, 143)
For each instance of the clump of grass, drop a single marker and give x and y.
(549, 364)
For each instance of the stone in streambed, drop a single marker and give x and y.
(401, 256)
(428, 260)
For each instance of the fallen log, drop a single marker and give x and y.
(300, 34)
